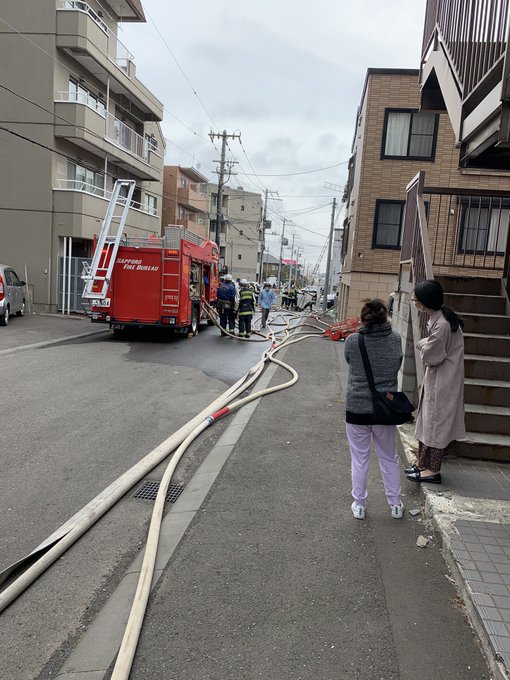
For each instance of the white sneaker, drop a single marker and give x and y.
(358, 511)
(397, 511)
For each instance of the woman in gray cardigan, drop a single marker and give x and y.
(384, 349)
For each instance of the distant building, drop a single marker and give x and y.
(240, 229)
(183, 201)
(83, 119)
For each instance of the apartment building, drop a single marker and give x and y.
(183, 200)
(393, 141)
(78, 118)
(240, 229)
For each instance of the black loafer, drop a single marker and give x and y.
(431, 479)
(410, 470)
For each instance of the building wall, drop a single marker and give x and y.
(193, 215)
(36, 208)
(376, 178)
(239, 250)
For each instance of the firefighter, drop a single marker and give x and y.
(311, 302)
(226, 304)
(246, 309)
(285, 298)
(292, 295)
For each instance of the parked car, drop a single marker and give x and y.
(12, 294)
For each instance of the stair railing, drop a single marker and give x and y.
(415, 258)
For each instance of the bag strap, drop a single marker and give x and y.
(366, 362)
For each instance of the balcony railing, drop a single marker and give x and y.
(122, 56)
(79, 6)
(91, 189)
(83, 98)
(473, 34)
(126, 138)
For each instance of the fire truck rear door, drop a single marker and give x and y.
(137, 285)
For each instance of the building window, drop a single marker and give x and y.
(239, 257)
(151, 142)
(182, 182)
(80, 95)
(484, 225)
(241, 232)
(409, 134)
(151, 204)
(242, 208)
(388, 224)
(182, 213)
(83, 179)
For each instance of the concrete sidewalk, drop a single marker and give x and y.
(40, 330)
(471, 515)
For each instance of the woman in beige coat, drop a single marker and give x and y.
(440, 414)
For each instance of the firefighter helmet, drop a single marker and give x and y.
(243, 282)
(228, 277)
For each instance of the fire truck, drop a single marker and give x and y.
(148, 282)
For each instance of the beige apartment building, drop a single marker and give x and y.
(393, 141)
(240, 229)
(77, 118)
(184, 203)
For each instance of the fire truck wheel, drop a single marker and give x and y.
(194, 322)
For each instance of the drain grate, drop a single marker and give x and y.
(149, 490)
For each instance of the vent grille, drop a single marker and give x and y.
(150, 487)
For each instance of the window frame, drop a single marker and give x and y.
(378, 203)
(477, 203)
(412, 112)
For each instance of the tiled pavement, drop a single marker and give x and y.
(476, 479)
(482, 550)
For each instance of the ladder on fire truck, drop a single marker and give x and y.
(97, 275)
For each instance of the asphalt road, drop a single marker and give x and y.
(75, 416)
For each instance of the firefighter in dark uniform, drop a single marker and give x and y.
(246, 309)
(292, 294)
(226, 304)
(285, 298)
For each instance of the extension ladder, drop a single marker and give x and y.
(97, 275)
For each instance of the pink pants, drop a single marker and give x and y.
(359, 437)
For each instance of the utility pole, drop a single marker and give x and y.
(262, 238)
(328, 263)
(221, 177)
(291, 258)
(281, 255)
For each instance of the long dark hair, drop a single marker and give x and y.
(430, 294)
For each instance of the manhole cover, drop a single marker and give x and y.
(149, 490)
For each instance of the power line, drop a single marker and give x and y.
(305, 172)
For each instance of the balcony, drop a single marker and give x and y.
(465, 72)
(84, 206)
(89, 125)
(191, 199)
(84, 35)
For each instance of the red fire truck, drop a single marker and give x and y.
(155, 282)
(148, 282)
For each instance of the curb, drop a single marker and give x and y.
(46, 343)
(441, 511)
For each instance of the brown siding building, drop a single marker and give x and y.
(183, 201)
(393, 141)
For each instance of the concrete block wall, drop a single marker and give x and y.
(401, 322)
(361, 286)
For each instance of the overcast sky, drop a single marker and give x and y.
(288, 77)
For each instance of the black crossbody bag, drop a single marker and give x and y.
(390, 408)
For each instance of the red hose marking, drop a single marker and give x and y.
(219, 414)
